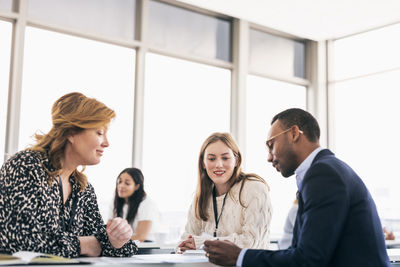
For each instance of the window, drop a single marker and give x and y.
(365, 109)
(271, 54)
(189, 32)
(105, 17)
(266, 98)
(365, 53)
(5, 5)
(5, 50)
(56, 64)
(184, 103)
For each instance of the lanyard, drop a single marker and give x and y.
(216, 217)
(73, 209)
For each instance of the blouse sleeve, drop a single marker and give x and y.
(147, 211)
(286, 239)
(111, 210)
(193, 225)
(256, 216)
(24, 216)
(94, 225)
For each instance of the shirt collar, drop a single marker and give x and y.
(304, 166)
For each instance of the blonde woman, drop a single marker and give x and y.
(229, 204)
(46, 203)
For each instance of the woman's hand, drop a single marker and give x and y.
(388, 234)
(142, 231)
(187, 244)
(119, 232)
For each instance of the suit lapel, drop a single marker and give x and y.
(298, 222)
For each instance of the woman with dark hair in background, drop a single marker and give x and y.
(132, 203)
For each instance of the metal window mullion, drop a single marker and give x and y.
(317, 96)
(240, 48)
(281, 78)
(193, 58)
(138, 118)
(40, 24)
(330, 92)
(15, 79)
(8, 16)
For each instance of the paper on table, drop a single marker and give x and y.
(212, 238)
(173, 258)
(194, 252)
(29, 257)
(394, 254)
(152, 258)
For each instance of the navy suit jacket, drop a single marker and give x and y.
(336, 225)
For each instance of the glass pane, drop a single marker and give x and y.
(260, 112)
(56, 64)
(366, 135)
(105, 17)
(299, 59)
(276, 55)
(369, 52)
(5, 5)
(184, 103)
(189, 32)
(5, 50)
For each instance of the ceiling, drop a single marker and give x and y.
(311, 19)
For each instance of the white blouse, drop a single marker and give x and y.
(286, 240)
(147, 211)
(247, 227)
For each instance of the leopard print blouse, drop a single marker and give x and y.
(32, 217)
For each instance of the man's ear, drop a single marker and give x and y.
(296, 132)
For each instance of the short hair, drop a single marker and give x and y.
(303, 119)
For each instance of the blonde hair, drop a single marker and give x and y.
(71, 114)
(204, 182)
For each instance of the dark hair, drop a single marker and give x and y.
(303, 119)
(134, 200)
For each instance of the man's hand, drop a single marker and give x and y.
(119, 232)
(223, 253)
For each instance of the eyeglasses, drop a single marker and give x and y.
(269, 142)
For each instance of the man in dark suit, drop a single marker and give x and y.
(337, 223)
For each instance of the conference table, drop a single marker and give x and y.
(162, 260)
(179, 260)
(394, 256)
(165, 256)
